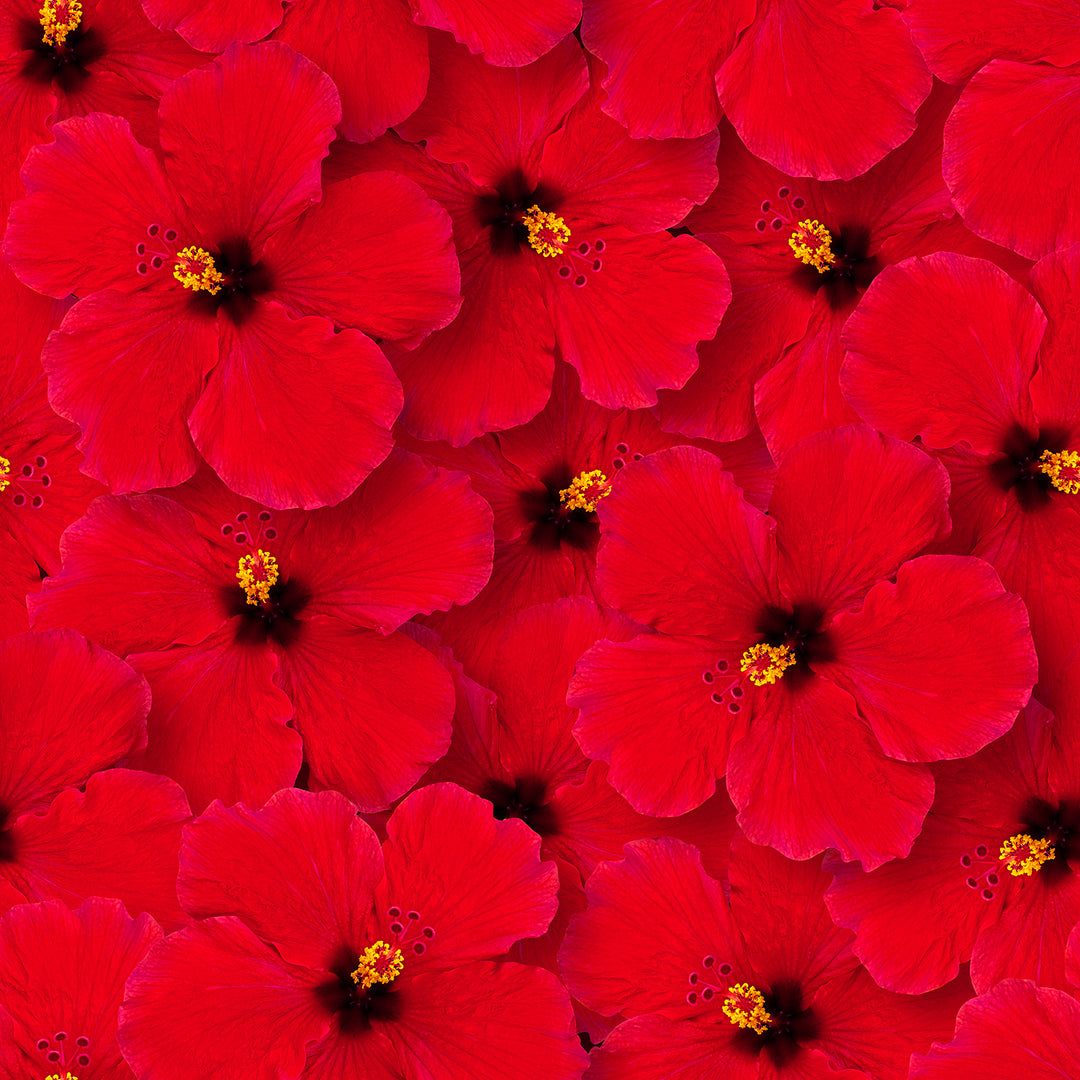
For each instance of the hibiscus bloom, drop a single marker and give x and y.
(225, 260)
(544, 481)
(986, 378)
(801, 253)
(761, 986)
(318, 954)
(805, 653)
(558, 221)
(1017, 1029)
(64, 58)
(41, 488)
(990, 878)
(62, 976)
(70, 825)
(242, 618)
(766, 68)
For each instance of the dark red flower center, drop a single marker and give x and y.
(526, 799)
(1034, 469)
(565, 512)
(59, 47)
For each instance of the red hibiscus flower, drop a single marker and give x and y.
(1017, 1029)
(62, 976)
(557, 219)
(63, 58)
(67, 829)
(987, 381)
(800, 254)
(240, 617)
(763, 986)
(809, 118)
(805, 653)
(320, 955)
(989, 879)
(222, 261)
(545, 481)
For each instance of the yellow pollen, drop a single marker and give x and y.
(1023, 855)
(58, 19)
(1063, 470)
(379, 963)
(744, 1006)
(57, 1076)
(195, 270)
(585, 491)
(812, 244)
(766, 663)
(5, 473)
(547, 232)
(257, 573)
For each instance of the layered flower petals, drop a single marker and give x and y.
(960, 372)
(127, 368)
(375, 253)
(803, 116)
(824, 768)
(213, 25)
(277, 105)
(1011, 114)
(940, 662)
(295, 414)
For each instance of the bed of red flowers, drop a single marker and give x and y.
(540, 540)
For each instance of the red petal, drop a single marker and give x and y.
(1018, 1029)
(653, 918)
(940, 663)
(234, 1005)
(644, 185)
(797, 112)
(1055, 392)
(958, 372)
(211, 25)
(633, 325)
(486, 1021)
(244, 137)
(412, 539)
(104, 190)
(301, 873)
(510, 34)
(217, 724)
(642, 43)
(812, 776)
(495, 120)
(118, 838)
(654, 710)
(1009, 115)
(682, 550)
(136, 576)
(70, 708)
(957, 37)
(295, 414)
(841, 523)
(491, 367)
(376, 55)
(374, 711)
(90, 953)
(127, 369)
(478, 882)
(376, 253)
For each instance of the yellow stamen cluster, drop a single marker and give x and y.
(257, 574)
(1063, 470)
(66, 1076)
(1023, 855)
(379, 963)
(812, 244)
(766, 663)
(585, 491)
(744, 1006)
(5, 472)
(548, 233)
(58, 19)
(195, 270)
